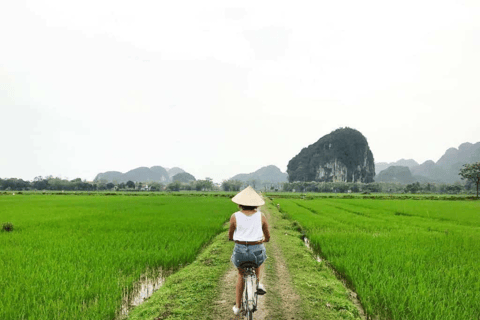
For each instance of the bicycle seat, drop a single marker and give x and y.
(248, 264)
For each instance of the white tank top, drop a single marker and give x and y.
(249, 228)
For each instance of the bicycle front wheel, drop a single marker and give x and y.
(249, 315)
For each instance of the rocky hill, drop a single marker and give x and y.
(341, 156)
(109, 176)
(141, 174)
(400, 174)
(173, 171)
(380, 166)
(183, 177)
(268, 174)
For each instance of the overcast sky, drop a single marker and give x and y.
(225, 87)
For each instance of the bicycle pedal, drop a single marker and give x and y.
(261, 292)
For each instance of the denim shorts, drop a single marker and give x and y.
(255, 253)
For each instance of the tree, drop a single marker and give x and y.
(372, 187)
(174, 186)
(130, 184)
(231, 185)
(110, 186)
(471, 172)
(204, 185)
(156, 186)
(40, 184)
(252, 182)
(452, 188)
(413, 187)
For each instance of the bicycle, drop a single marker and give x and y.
(250, 296)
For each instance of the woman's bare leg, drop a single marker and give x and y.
(259, 273)
(239, 288)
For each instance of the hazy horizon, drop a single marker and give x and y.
(219, 88)
(217, 181)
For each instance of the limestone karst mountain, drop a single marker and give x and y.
(141, 174)
(174, 171)
(184, 177)
(161, 171)
(109, 176)
(341, 156)
(380, 166)
(399, 174)
(268, 174)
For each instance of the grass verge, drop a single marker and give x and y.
(323, 296)
(274, 299)
(187, 294)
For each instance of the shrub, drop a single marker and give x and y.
(8, 227)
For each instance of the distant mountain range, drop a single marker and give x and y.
(400, 174)
(444, 170)
(403, 171)
(380, 166)
(141, 174)
(268, 174)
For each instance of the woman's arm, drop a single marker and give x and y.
(233, 226)
(266, 232)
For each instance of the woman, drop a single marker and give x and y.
(249, 229)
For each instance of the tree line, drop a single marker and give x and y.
(470, 173)
(58, 184)
(377, 187)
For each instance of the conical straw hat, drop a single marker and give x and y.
(248, 197)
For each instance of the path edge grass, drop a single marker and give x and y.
(187, 294)
(273, 301)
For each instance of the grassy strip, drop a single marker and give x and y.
(323, 296)
(188, 293)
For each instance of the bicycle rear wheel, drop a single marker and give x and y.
(250, 303)
(250, 290)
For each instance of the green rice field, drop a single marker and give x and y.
(406, 259)
(76, 256)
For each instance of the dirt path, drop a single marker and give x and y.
(227, 299)
(290, 301)
(280, 302)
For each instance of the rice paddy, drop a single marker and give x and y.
(407, 259)
(76, 257)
